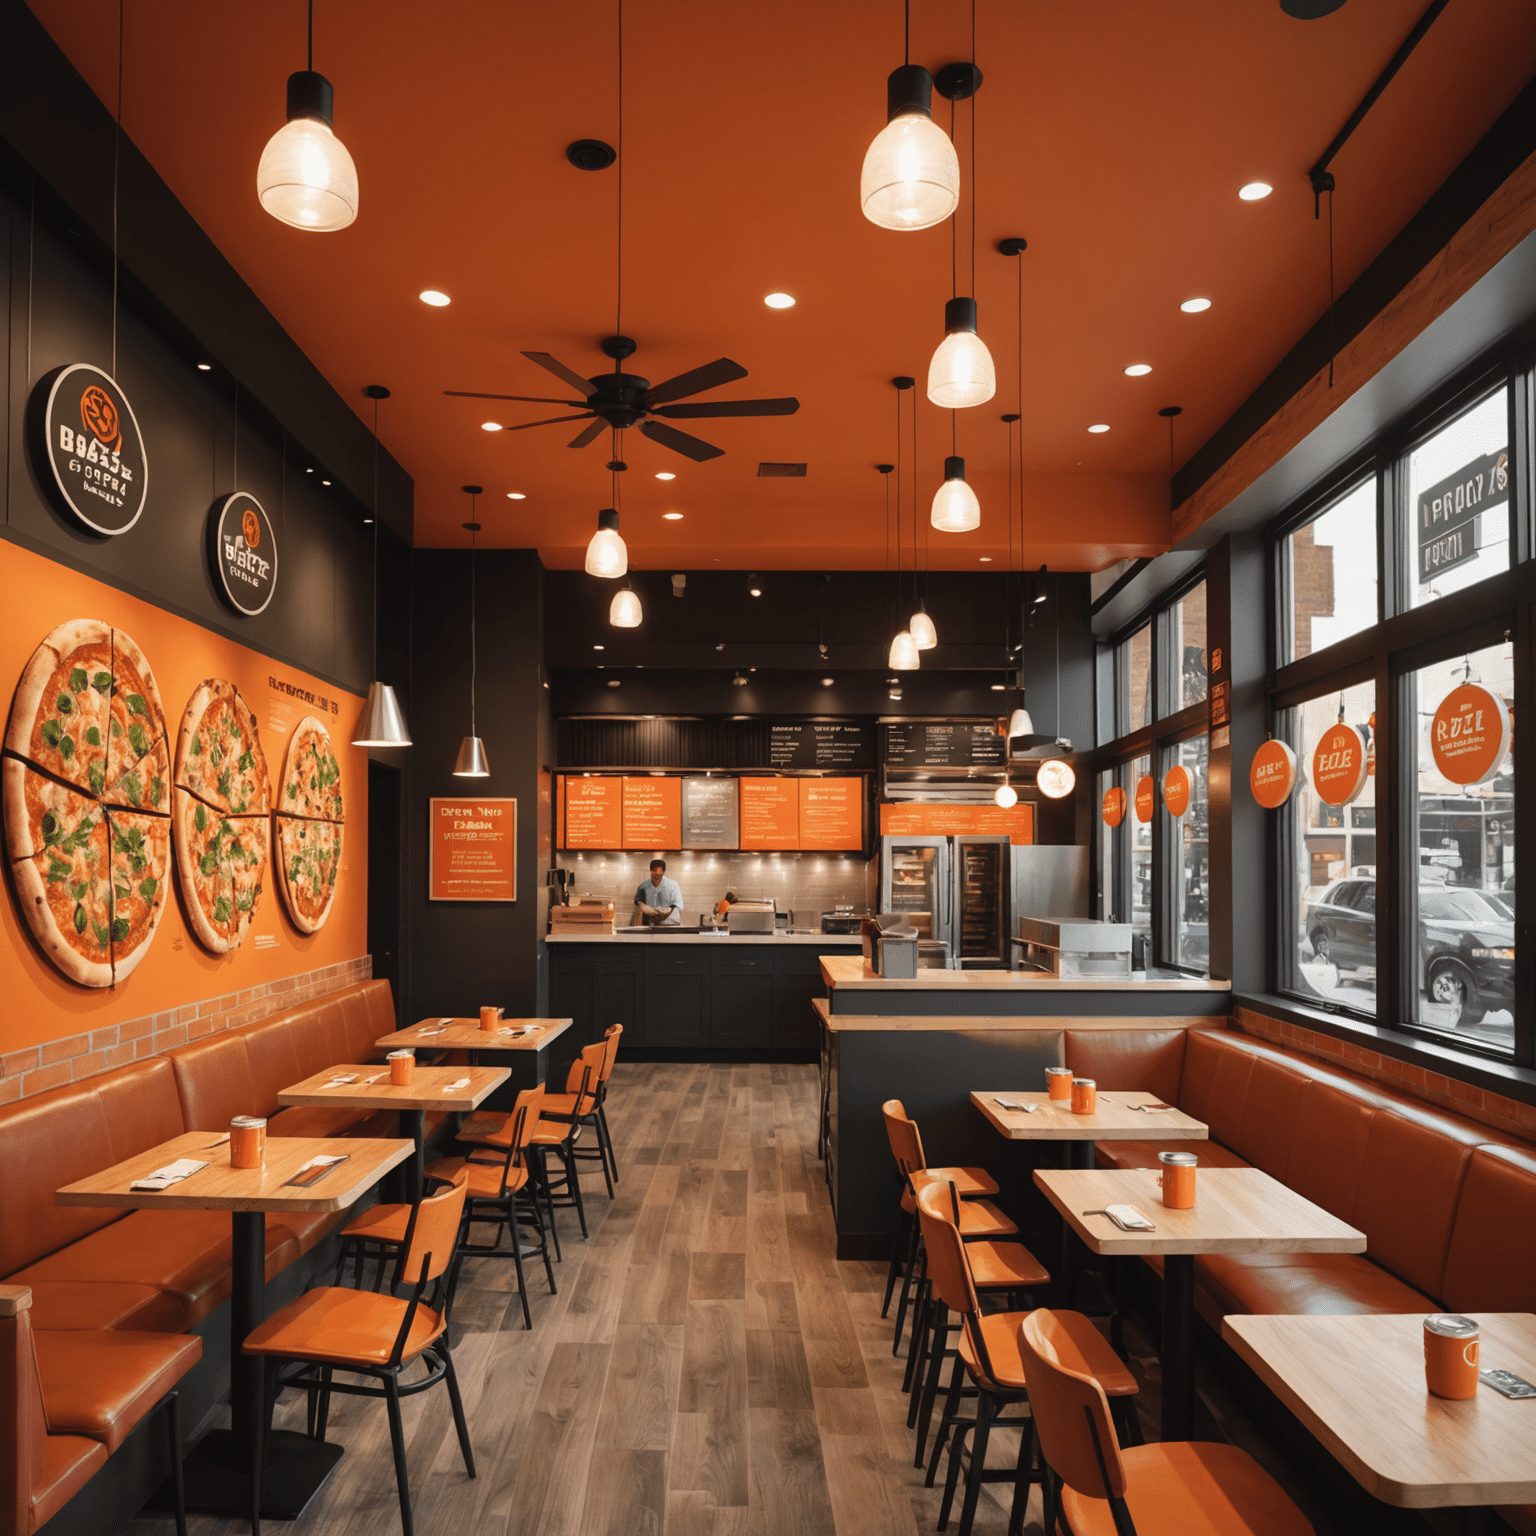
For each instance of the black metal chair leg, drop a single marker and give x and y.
(906, 1288)
(938, 1343)
(1023, 1477)
(921, 1308)
(397, 1442)
(607, 1140)
(573, 1183)
(517, 1261)
(985, 1410)
(947, 1423)
(459, 1421)
(952, 1476)
(323, 1412)
(898, 1243)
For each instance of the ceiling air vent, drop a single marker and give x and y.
(781, 471)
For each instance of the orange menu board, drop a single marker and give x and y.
(770, 813)
(472, 855)
(831, 815)
(594, 812)
(918, 818)
(653, 813)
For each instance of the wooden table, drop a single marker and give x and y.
(1357, 1382)
(1115, 1118)
(525, 1052)
(218, 1470)
(429, 1089)
(1237, 1210)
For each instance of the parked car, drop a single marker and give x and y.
(1466, 943)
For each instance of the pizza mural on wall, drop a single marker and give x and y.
(223, 807)
(309, 825)
(87, 798)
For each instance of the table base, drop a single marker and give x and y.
(1178, 1347)
(218, 1481)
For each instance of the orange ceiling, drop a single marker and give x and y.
(1112, 135)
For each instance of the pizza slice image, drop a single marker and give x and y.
(202, 864)
(60, 717)
(309, 854)
(248, 852)
(311, 774)
(140, 854)
(219, 756)
(146, 786)
(137, 722)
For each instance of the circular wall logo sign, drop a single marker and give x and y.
(1176, 787)
(1146, 797)
(1338, 765)
(1114, 806)
(92, 445)
(1469, 734)
(244, 552)
(1272, 778)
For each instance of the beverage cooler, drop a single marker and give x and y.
(955, 891)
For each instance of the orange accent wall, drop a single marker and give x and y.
(40, 1005)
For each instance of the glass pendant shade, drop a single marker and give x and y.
(606, 554)
(920, 627)
(911, 176)
(624, 611)
(1055, 779)
(1019, 723)
(904, 657)
(961, 373)
(471, 762)
(955, 508)
(306, 178)
(382, 723)
(1005, 795)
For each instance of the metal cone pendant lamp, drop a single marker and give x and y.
(955, 507)
(911, 176)
(382, 723)
(306, 178)
(606, 554)
(472, 762)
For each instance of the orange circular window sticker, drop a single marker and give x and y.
(250, 528)
(1176, 787)
(1272, 777)
(1114, 806)
(1146, 797)
(1338, 765)
(99, 415)
(1469, 735)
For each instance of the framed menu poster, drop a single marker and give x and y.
(770, 813)
(471, 849)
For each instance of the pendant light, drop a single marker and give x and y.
(903, 655)
(624, 612)
(955, 507)
(606, 554)
(911, 175)
(920, 627)
(472, 762)
(306, 178)
(382, 723)
(1056, 780)
(1005, 796)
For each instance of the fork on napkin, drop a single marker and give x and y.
(1020, 1109)
(456, 1085)
(171, 1173)
(316, 1169)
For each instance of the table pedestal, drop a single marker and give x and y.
(1178, 1351)
(402, 1184)
(1080, 1154)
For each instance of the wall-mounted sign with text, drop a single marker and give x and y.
(1469, 735)
(944, 744)
(243, 549)
(471, 849)
(89, 438)
(1272, 775)
(1448, 512)
(1339, 766)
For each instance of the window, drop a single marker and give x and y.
(1136, 659)
(1190, 912)
(1464, 938)
(1458, 503)
(1330, 952)
(1330, 574)
(1186, 638)
(1106, 849)
(1141, 855)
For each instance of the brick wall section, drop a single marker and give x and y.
(39, 1067)
(1492, 1109)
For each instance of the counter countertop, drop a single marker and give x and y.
(734, 940)
(875, 1023)
(852, 972)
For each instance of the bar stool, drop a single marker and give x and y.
(563, 1190)
(1165, 1489)
(563, 1107)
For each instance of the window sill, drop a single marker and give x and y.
(1501, 1077)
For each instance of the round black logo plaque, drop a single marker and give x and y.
(244, 552)
(94, 449)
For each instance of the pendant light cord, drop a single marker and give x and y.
(892, 601)
(973, 150)
(954, 223)
(1332, 343)
(375, 536)
(907, 31)
(473, 648)
(117, 139)
(235, 473)
(311, 36)
(618, 318)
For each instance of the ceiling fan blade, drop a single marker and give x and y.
(783, 407)
(560, 371)
(548, 421)
(475, 394)
(679, 442)
(721, 371)
(588, 434)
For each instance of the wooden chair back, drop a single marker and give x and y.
(1071, 1412)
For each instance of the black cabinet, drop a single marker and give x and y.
(743, 999)
(593, 987)
(799, 985)
(676, 998)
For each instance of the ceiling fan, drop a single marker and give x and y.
(626, 400)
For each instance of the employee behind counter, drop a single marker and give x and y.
(658, 900)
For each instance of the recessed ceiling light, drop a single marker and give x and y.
(998, 687)
(1099, 426)
(490, 426)
(325, 482)
(672, 517)
(613, 682)
(1195, 306)
(517, 496)
(986, 559)
(665, 474)
(755, 591)
(827, 682)
(434, 298)
(1138, 370)
(310, 470)
(599, 647)
(779, 301)
(1255, 191)
(205, 367)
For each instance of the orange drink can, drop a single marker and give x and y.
(401, 1065)
(247, 1142)
(1178, 1179)
(490, 1018)
(1058, 1082)
(1085, 1096)
(1451, 1355)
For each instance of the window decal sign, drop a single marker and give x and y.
(1176, 788)
(1338, 765)
(1272, 776)
(1469, 734)
(1448, 512)
(90, 441)
(1146, 797)
(1114, 806)
(244, 552)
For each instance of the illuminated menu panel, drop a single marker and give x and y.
(831, 815)
(710, 816)
(653, 813)
(917, 818)
(770, 813)
(594, 812)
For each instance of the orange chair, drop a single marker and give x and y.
(335, 1328)
(988, 1354)
(563, 1107)
(377, 1234)
(563, 1190)
(1182, 1488)
(492, 1191)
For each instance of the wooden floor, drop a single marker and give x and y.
(708, 1368)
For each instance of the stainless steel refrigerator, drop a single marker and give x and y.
(956, 892)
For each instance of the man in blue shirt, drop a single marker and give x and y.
(658, 900)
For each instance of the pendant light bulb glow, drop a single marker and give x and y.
(911, 175)
(305, 177)
(606, 554)
(1056, 780)
(903, 656)
(1020, 724)
(1005, 796)
(961, 373)
(955, 507)
(624, 611)
(471, 762)
(920, 627)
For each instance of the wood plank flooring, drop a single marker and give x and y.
(707, 1368)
